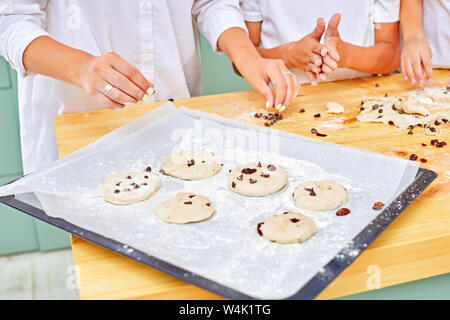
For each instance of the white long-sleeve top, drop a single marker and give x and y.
(159, 37)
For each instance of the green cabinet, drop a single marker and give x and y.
(18, 231)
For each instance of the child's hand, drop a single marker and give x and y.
(416, 61)
(332, 42)
(306, 54)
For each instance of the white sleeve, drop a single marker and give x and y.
(386, 11)
(251, 10)
(215, 16)
(21, 21)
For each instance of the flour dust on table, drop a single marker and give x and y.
(185, 207)
(287, 228)
(129, 187)
(191, 165)
(257, 179)
(320, 195)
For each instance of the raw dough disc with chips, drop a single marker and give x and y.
(256, 179)
(286, 228)
(129, 187)
(191, 165)
(320, 195)
(185, 207)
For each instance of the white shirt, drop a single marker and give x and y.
(290, 20)
(159, 37)
(436, 25)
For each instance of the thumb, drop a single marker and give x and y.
(333, 24)
(319, 30)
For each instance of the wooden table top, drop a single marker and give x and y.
(414, 246)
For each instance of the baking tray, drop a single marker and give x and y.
(309, 291)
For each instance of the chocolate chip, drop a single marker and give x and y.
(432, 129)
(434, 141)
(362, 108)
(128, 177)
(375, 107)
(248, 171)
(257, 115)
(146, 177)
(259, 165)
(118, 184)
(191, 196)
(391, 122)
(133, 184)
(128, 190)
(267, 124)
(208, 204)
(410, 132)
(377, 84)
(311, 192)
(148, 169)
(137, 186)
(423, 160)
(258, 228)
(362, 102)
(145, 184)
(265, 175)
(321, 134)
(285, 212)
(385, 95)
(436, 123)
(271, 167)
(170, 99)
(441, 144)
(188, 202)
(295, 220)
(380, 110)
(116, 191)
(240, 177)
(301, 110)
(423, 144)
(190, 163)
(413, 157)
(252, 181)
(313, 131)
(317, 115)
(233, 184)
(394, 107)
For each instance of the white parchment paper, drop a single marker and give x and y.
(226, 248)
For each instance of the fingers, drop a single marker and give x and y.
(281, 87)
(329, 64)
(409, 71)
(427, 66)
(107, 102)
(129, 71)
(124, 84)
(417, 69)
(312, 78)
(116, 94)
(293, 85)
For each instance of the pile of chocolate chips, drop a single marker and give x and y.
(271, 117)
(436, 143)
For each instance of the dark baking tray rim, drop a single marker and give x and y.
(309, 291)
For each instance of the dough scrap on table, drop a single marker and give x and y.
(394, 111)
(191, 165)
(129, 187)
(185, 207)
(257, 179)
(287, 228)
(334, 107)
(320, 195)
(431, 94)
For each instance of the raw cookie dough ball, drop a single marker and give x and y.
(289, 227)
(129, 187)
(256, 179)
(320, 195)
(185, 207)
(191, 165)
(334, 107)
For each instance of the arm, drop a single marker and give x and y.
(416, 54)
(29, 49)
(383, 57)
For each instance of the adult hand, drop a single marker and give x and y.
(332, 42)
(128, 83)
(307, 53)
(416, 61)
